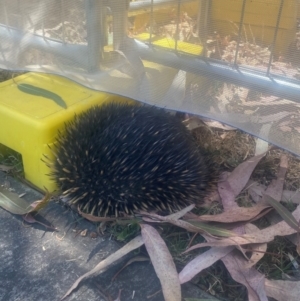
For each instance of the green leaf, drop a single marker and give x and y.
(33, 90)
(13, 203)
(213, 230)
(283, 212)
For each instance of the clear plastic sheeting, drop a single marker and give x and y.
(236, 61)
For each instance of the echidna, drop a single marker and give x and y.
(121, 158)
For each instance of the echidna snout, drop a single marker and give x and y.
(122, 158)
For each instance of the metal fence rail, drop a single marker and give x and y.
(88, 56)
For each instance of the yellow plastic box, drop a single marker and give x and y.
(29, 123)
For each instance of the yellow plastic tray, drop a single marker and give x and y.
(29, 123)
(169, 43)
(259, 20)
(188, 48)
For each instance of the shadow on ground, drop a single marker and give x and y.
(36, 264)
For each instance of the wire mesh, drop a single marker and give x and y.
(236, 61)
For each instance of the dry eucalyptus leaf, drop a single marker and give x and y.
(262, 236)
(227, 195)
(285, 129)
(5, 168)
(237, 214)
(291, 196)
(219, 125)
(262, 248)
(104, 264)
(275, 188)
(38, 205)
(249, 277)
(262, 145)
(202, 262)
(232, 241)
(241, 174)
(273, 117)
(193, 226)
(181, 213)
(129, 262)
(29, 218)
(162, 262)
(172, 217)
(83, 233)
(119, 296)
(256, 191)
(283, 290)
(94, 218)
(193, 123)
